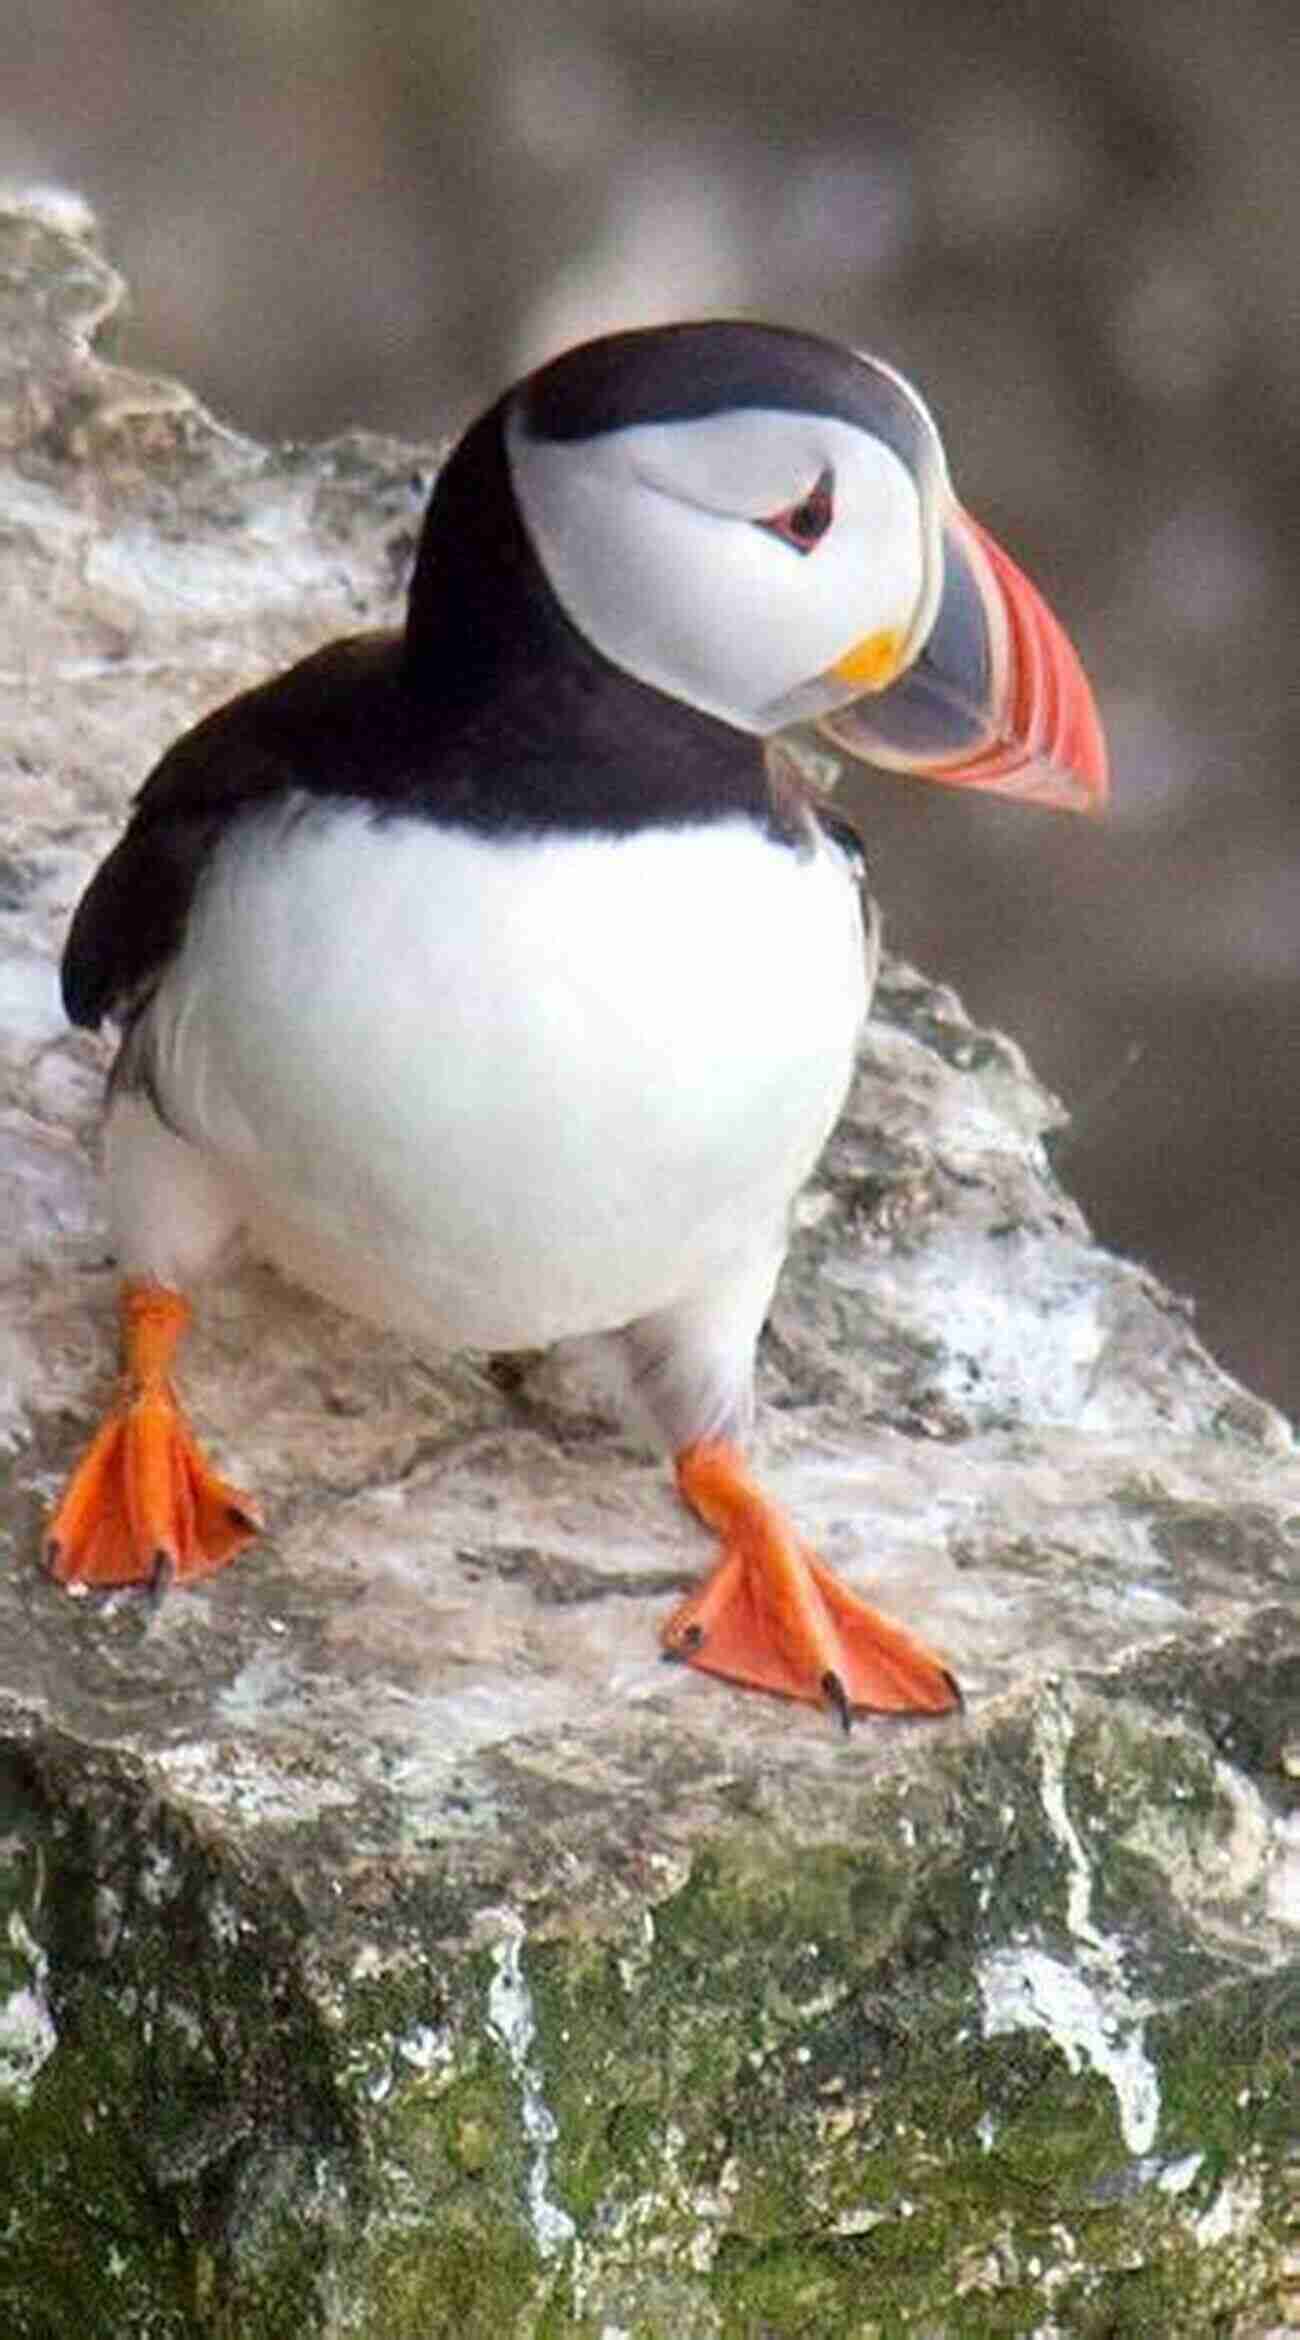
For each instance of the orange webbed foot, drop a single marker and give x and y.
(143, 1506)
(772, 1614)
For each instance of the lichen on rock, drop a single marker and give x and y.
(389, 1945)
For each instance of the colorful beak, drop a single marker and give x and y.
(996, 699)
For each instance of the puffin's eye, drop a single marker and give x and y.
(804, 524)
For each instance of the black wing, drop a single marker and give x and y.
(267, 743)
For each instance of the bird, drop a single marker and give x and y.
(499, 978)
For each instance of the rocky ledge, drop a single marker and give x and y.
(391, 1945)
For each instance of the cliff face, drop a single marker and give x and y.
(392, 1946)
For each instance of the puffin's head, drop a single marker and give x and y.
(761, 524)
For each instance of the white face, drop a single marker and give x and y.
(656, 540)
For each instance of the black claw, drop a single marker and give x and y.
(685, 1646)
(834, 1693)
(163, 1578)
(955, 1687)
(52, 1554)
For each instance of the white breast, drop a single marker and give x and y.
(509, 1091)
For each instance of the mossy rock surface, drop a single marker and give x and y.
(1002, 2041)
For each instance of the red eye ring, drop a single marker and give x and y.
(803, 525)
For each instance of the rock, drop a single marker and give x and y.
(392, 1945)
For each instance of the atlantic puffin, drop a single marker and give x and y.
(494, 978)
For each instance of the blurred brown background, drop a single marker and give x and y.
(1077, 225)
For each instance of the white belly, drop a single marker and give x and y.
(505, 1092)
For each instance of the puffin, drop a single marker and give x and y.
(499, 977)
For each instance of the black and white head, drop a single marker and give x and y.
(761, 524)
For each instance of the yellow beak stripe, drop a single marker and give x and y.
(872, 662)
